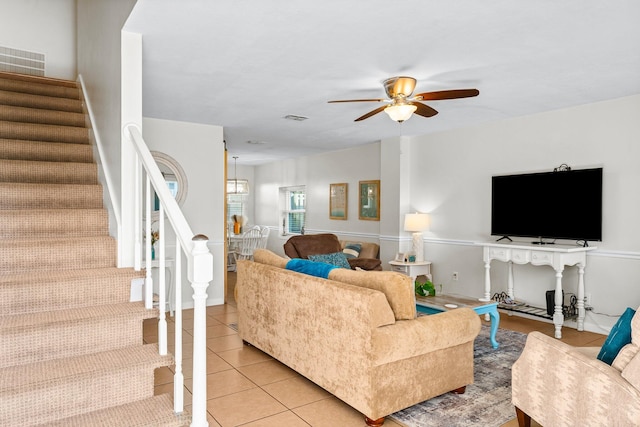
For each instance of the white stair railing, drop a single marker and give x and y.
(199, 273)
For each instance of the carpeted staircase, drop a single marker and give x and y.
(72, 352)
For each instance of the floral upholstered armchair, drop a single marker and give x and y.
(560, 385)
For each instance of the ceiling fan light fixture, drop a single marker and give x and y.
(400, 113)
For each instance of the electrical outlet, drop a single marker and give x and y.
(454, 276)
(587, 302)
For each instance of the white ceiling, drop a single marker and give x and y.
(245, 64)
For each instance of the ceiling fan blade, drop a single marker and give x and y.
(447, 94)
(424, 110)
(359, 100)
(371, 113)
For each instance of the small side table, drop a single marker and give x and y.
(413, 269)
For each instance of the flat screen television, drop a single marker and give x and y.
(548, 205)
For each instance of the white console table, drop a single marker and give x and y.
(556, 256)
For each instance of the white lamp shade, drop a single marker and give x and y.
(400, 113)
(416, 222)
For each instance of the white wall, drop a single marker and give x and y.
(451, 178)
(99, 62)
(316, 173)
(42, 26)
(199, 149)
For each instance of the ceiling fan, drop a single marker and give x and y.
(401, 105)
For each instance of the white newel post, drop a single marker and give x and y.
(200, 274)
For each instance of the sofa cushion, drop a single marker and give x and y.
(312, 268)
(312, 244)
(352, 250)
(619, 336)
(368, 264)
(395, 286)
(265, 256)
(630, 350)
(367, 249)
(631, 372)
(337, 259)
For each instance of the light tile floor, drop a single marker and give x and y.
(246, 387)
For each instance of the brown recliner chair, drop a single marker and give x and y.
(327, 243)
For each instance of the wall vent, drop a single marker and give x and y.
(21, 61)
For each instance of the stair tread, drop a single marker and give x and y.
(33, 320)
(156, 411)
(45, 102)
(41, 115)
(44, 132)
(19, 195)
(48, 186)
(44, 223)
(68, 275)
(38, 171)
(41, 373)
(52, 81)
(43, 163)
(52, 241)
(25, 149)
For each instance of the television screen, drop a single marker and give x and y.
(552, 205)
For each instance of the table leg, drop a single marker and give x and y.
(510, 281)
(495, 321)
(581, 310)
(558, 317)
(487, 284)
(487, 280)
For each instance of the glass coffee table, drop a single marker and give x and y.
(440, 303)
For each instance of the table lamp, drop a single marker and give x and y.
(417, 223)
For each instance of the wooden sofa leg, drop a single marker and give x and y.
(374, 423)
(524, 420)
(460, 390)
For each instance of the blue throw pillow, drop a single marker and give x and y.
(619, 336)
(318, 269)
(352, 250)
(337, 258)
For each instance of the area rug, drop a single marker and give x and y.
(486, 402)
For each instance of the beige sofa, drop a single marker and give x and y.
(355, 334)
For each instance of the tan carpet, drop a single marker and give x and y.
(72, 351)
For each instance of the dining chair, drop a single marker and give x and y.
(250, 241)
(264, 236)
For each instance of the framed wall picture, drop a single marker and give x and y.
(369, 200)
(338, 201)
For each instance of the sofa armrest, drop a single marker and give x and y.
(369, 264)
(290, 249)
(556, 384)
(409, 338)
